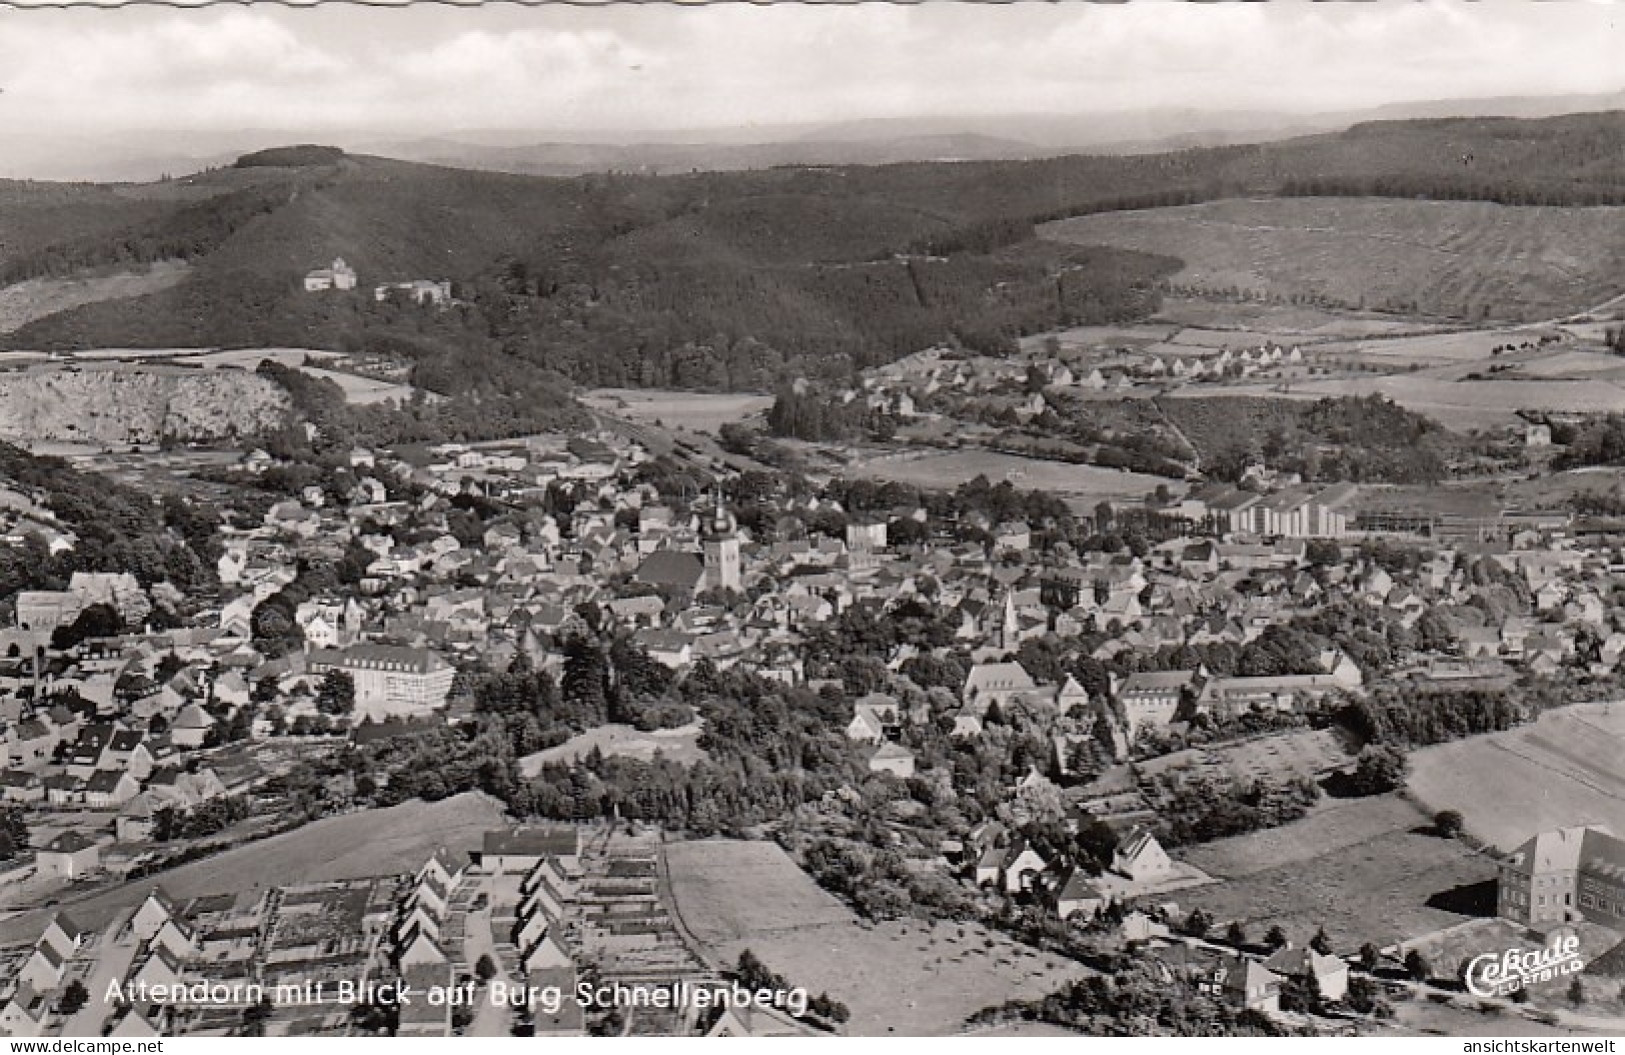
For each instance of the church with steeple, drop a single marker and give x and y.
(719, 539)
(715, 567)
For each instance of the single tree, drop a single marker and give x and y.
(1416, 965)
(1448, 823)
(74, 997)
(97, 620)
(1380, 768)
(1275, 938)
(1321, 943)
(1361, 996)
(485, 969)
(1236, 933)
(337, 693)
(255, 1016)
(13, 831)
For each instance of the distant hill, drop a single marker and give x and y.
(141, 155)
(576, 159)
(304, 156)
(714, 279)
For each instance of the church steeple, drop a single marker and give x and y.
(719, 536)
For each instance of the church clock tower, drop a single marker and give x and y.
(720, 538)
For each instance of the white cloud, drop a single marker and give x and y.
(81, 72)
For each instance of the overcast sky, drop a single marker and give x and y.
(435, 69)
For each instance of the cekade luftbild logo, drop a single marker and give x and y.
(1504, 973)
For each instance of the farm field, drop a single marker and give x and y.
(1087, 484)
(352, 845)
(36, 298)
(1424, 1017)
(1300, 323)
(1027, 1029)
(1191, 327)
(1306, 753)
(1561, 770)
(366, 390)
(1129, 336)
(728, 889)
(905, 977)
(1424, 351)
(1457, 405)
(1459, 259)
(249, 358)
(680, 745)
(1556, 489)
(1574, 364)
(690, 411)
(357, 389)
(1365, 869)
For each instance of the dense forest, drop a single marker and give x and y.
(463, 397)
(1597, 441)
(716, 280)
(189, 232)
(1366, 439)
(118, 529)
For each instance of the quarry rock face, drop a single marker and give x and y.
(125, 405)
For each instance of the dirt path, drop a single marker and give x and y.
(490, 1019)
(675, 909)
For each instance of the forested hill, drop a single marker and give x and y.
(711, 279)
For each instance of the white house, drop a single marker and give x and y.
(339, 276)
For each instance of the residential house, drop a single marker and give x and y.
(25, 1013)
(108, 789)
(1141, 859)
(894, 759)
(69, 856)
(873, 718)
(191, 726)
(21, 786)
(64, 789)
(1014, 868)
(1250, 985)
(522, 849)
(1001, 684)
(64, 934)
(1077, 894)
(1329, 973)
(42, 971)
(158, 908)
(670, 648)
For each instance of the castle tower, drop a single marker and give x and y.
(720, 537)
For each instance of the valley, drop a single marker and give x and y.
(990, 596)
